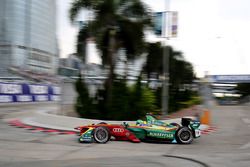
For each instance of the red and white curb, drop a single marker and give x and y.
(209, 130)
(17, 123)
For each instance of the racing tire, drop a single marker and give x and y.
(184, 135)
(101, 135)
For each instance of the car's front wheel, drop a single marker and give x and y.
(101, 134)
(184, 135)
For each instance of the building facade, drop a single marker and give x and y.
(70, 66)
(28, 36)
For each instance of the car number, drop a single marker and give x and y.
(197, 133)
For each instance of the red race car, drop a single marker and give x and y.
(102, 132)
(150, 130)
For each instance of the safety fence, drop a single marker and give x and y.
(22, 92)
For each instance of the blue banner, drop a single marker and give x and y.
(158, 23)
(14, 92)
(230, 78)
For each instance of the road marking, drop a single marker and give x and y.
(245, 146)
(246, 120)
(188, 159)
(19, 124)
(209, 130)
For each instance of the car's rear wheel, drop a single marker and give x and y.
(101, 134)
(184, 135)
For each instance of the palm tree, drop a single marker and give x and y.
(117, 24)
(180, 70)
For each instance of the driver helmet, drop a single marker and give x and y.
(139, 122)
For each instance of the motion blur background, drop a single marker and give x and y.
(39, 44)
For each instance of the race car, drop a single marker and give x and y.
(174, 133)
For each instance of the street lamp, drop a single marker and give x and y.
(165, 80)
(166, 55)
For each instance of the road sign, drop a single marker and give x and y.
(174, 24)
(166, 24)
(230, 78)
(159, 27)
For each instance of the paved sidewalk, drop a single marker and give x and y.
(60, 122)
(41, 118)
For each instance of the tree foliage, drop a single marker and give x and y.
(116, 24)
(122, 20)
(129, 102)
(180, 73)
(142, 100)
(84, 104)
(120, 24)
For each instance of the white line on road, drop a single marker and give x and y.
(246, 120)
(245, 146)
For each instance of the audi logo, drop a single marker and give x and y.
(118, 130)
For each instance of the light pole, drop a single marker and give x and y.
(165, 82)
(165, 61)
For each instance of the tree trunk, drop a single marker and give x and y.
(111, 60)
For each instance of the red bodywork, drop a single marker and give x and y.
(118, 131)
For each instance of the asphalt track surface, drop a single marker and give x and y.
(229, 146)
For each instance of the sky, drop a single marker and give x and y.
(212, 34)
